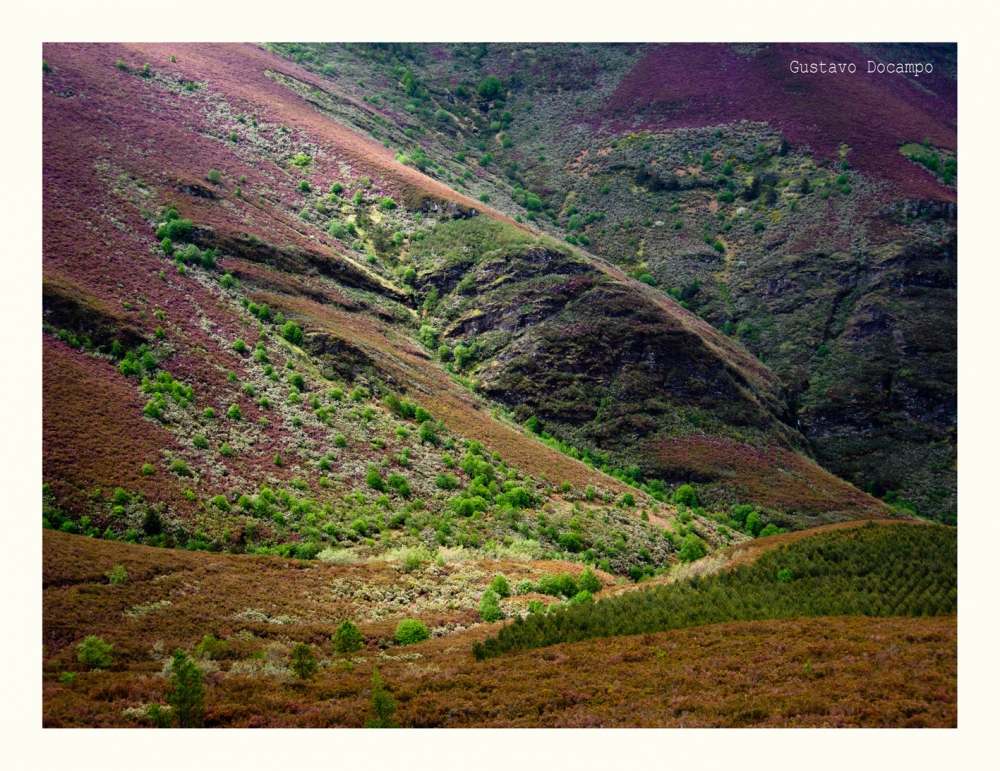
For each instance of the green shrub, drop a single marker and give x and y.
(427, 432)
(500, 585)
(373, 479)
(525, 587)
(382, 704)
(785, 574)
(771, 529)
(410, 630)
(692, 549)
(292, 333)
(754, 524)
(686, 495)
(118, 575)
(398, 483)
(589, 582)
(340, 440)
(304, 663)
(446, 481)
(180, 468)
(225, 450)
(628, 500)
(347, 638)
(388, 204)
(305, 187)
(489, 606)
(94, 652)
(411, 562)
(536, 606)
(491, 88)
(147, 469)
(187, 691)
(234, 412)
(214, 177)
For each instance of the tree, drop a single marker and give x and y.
(94, 652)
(292, 333)
(500, 586)
(489, 606)
(754, 524)
(303, 661)
(347, 638)
(382, 704)
(692, 549)
(410, 630)
(491, 88)
(187, 691)
(685, 494)
(589, 582)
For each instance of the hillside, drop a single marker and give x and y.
(261, 296)
(848, 670)
(813, 220)
(497, 382)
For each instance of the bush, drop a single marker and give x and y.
(427, 432)
(337, 230)
(147, 469)
(411, 562)
(536, 606)
(382, 704)
(292, 333)
(754, 524)
(305, 187)
(686, 495)
(304, 663)
(347, 638)
(373, 479)
(94, 652)
(234, 412)
(410, 631)
(785, 574)
(500, 586)
(489, 606)
(340, 440)
(398, 483)
(180, 468)
(118, 575)
(444, 353)
(214, 177)
(388, 204)
(446, 481)
(589, 582)
(525, 587)
(187, 691)
(491, 88)
(692, 549)
(771, 529)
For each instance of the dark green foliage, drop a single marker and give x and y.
(501, 586)
(686, 495)
(410, 630)
(562, 585)
(692, 549)
(292, 333)
(754, 524)
(214, 177)
(427, 432)
(382, 704)
(491, 88)
(304, 663)
(94, 652)
(373, 479)
(875, 570)
(589, 582)
(398, 483)
(347, 638)
(187, 691)
(489, 606)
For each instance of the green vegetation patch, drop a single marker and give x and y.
(875, 570)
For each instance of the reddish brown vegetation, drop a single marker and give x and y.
(853, 671)
(704, 85)
(770, 475)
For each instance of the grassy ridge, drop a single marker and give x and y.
(876, 570)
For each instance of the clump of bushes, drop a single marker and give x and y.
(347, 638)
(411, 630)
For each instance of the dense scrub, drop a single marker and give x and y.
(875, 570)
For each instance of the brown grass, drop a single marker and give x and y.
(854, 671)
